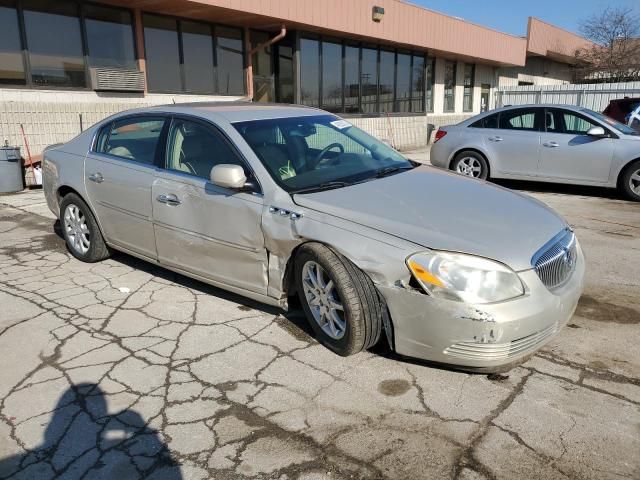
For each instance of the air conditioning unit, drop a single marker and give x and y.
(117, 79)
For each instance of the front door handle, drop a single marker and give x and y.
(551, 144)
(96, 177)
(169, 199)
(495, 139)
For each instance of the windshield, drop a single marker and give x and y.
(319, 152)
(621, 127)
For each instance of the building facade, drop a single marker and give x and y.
(391, 67)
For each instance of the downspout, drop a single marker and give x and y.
(249, 57)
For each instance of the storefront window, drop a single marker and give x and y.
(109, 37)
(430, 82)
(351, 79)
(11, 62)
(417, 84)
(467, 99)
(332, 77)
(230, 61)
(309, 72)
(369, 80)
(449, 86)
(403, 83)
(284, 85)
(162, 53)
(197, 47)
(387, 80)
(346, 78)
(55, 43)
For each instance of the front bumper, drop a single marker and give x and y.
(481, 336)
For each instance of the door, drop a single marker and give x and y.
(207, 230)
(485, 91)
(119, 172)
(569, 153)
(513, 146)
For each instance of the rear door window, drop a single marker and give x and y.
(519, 119)
(490, 121)
(134, 138)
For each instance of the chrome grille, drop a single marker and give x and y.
(500, 351)
(555, 261)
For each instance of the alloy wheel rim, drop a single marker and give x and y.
(470, 167)
(634, 182)
(323, 300)
(75, 224)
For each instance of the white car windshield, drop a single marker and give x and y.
(310, 153)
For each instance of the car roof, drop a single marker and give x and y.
(540, 105)
(239, 111)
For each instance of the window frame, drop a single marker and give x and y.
(108, 126)
(454, 84)
(163, 161)
(429, 83)
(25, 52)
(213, 27)
(361, 46)
(537, 119)
(468, 88)
(131, 13)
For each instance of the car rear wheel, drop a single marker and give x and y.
(80, 230)
(471, 164)
(630, 181)
(340, 301)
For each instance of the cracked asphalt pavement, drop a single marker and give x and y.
(125, 370)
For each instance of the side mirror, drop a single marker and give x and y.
(228, 176)
(597, 132)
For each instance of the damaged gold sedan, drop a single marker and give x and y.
(271, 201)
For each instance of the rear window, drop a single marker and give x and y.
(490, 121)
(132, 138)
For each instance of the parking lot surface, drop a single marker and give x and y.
(125, 370)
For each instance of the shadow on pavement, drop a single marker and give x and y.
(82, 440)
(544, 187)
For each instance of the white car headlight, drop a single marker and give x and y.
(464, 278)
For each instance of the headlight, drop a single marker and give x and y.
(466, 278)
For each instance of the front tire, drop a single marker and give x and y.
(630, 181)
(471, 164)
(340, 302)
(81, 231)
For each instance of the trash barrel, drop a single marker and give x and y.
(10, 170)
(430, 128)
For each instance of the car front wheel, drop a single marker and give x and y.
(630, 181)
(80, 230)
(339, 300)
(471, 164)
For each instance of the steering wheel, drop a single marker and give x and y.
(324, 151)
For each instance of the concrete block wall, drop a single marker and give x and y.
(53, 116)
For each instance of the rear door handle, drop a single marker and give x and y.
(169, 199)
(551, 144)
(495, 139)
(96, 177)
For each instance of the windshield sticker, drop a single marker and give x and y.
(341, 124)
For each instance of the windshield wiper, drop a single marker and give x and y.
(383, 172)
(322, 186)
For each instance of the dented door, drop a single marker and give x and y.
(210, 231)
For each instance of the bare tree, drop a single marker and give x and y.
(614, 55)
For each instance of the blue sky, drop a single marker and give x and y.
(510, 16)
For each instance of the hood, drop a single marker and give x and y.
(445, 211)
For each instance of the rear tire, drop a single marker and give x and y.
(355, 324)
(629, 184)
(471, 164)
(81, 231)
